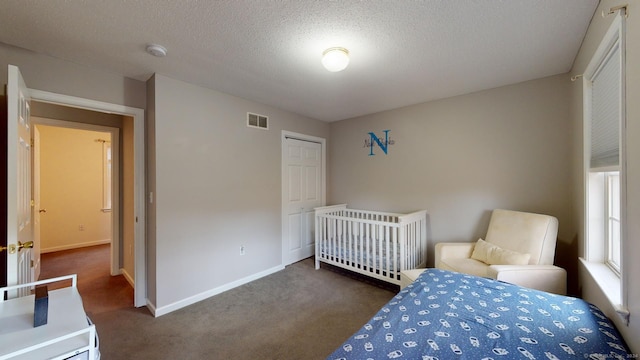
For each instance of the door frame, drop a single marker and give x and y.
(115, 176)
(323, 186)
(140, 285)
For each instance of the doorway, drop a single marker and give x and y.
(83, 196)
(134, 121)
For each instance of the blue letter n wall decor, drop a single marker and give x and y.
(383, 144)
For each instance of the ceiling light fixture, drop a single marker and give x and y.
(157, 50)
(335, 59)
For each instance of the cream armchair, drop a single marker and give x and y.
(519, 248)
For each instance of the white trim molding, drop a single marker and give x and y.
(75, 246)
(140, 273)
(283, 171)
(209, 293)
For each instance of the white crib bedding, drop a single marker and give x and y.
(376, 256)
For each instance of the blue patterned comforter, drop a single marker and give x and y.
(448, 315)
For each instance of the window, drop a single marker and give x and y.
(603, 123)
(612, 220)
(604, 155)
(106, 176)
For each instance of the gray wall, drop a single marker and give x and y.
(461, 157)
(590, 290)
(217, 186)
(58, 76)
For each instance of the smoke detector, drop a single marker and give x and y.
(157, 50)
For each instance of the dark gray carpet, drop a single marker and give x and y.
(297, 313)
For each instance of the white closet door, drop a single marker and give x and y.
(303, 192)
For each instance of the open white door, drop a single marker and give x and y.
(19, 224)
(303, 190)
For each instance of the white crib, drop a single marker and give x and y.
(372, 243)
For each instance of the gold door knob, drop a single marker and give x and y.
(27, 245)
(12, 248)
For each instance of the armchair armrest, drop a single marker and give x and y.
(548, 278)
(457, 250)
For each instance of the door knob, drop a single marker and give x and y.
(27, 245)
(42, 211)
(11, 248)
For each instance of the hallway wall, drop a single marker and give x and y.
(71, 189)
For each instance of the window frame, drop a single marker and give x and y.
(595, 202)
(107, 174)
(610, 218)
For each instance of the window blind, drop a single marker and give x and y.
(606, 112)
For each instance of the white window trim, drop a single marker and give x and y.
(107, 168)
(613, 286)
(608, 221)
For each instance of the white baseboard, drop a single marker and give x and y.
(128, 277)
(75, 246)
(152, 308)
(207, 294)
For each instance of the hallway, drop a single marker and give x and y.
(100, 291)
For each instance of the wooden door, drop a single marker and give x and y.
(19, 209)
(302, 187)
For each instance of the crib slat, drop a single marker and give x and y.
(406, 233)
(343, 246)
(372, 247)
(360, 245)
(394, 254)
(347, 240)
(334, 235)
(352, 241)
(385, 248)
(380, 244)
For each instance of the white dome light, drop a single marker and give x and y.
(335, 59)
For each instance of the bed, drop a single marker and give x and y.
(372, 243)
(449, 315)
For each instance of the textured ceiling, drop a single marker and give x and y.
(402, 52)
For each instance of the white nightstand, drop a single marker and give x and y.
(67, 333)
(409, 276)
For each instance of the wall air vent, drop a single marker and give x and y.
(257, 121)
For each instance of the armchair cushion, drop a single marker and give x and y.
(495, 255)
(481, 251)
(500, 256)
